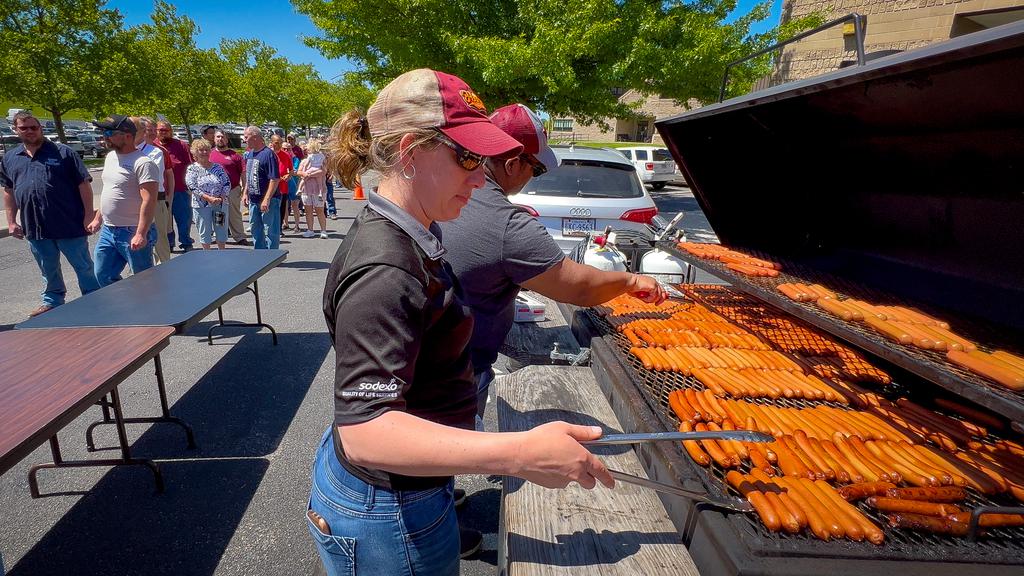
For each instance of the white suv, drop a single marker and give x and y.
(654, 165)
(593, 188)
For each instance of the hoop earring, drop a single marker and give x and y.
(409, 176)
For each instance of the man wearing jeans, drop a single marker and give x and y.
(259, 185)
(178, 157)
(127, 204)
(47, 183)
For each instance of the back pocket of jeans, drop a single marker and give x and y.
(339, 551)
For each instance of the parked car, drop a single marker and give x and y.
(74, 143)
(8, 141)
(593, 188)
(92, 145)
(654, 165)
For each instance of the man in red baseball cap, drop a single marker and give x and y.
(496, 249)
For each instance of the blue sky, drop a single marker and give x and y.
(276, 23)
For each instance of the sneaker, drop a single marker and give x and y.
(40, 310)
(332, 216)
(469, 542)
(323, 235)
(242, 242)
(308, 234)
(460, 497)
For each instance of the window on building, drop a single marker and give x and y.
(975, 21)
(562, 125)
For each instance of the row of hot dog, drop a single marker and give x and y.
(878, 441)
(911, 327)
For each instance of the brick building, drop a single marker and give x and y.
(639, 129)
(892, 25)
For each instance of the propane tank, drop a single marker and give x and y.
(602, 255)
(663, 266)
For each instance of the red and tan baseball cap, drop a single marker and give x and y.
(427, 98)
(526, 127)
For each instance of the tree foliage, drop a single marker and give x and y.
(63, 55)
(564, 56)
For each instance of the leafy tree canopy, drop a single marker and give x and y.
(563, 56)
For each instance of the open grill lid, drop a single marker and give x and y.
(906, 174)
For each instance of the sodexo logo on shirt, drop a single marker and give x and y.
(380, 386)
(376, 389)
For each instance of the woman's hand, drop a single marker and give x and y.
(551, 455)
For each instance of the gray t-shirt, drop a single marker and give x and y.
(493, 247)
(121, 200)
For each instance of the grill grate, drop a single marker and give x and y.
(930, 365)
(1004, 546)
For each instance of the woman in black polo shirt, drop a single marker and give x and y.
(382, 495)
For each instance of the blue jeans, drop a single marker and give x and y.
(331, 210)
(113, 252)
(380, 531)
(206, 222)
(483, 384)
(266, 227)
(47, 254)
(181, 211)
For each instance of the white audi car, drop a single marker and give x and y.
(592, 189)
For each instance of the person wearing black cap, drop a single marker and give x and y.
(127, 204)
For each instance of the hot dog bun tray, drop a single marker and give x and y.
(728, 543)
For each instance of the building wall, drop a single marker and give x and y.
(891, 25)
(654, 107)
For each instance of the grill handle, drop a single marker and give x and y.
(977, 513)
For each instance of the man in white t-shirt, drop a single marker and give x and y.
(127, 204)
(145, 138)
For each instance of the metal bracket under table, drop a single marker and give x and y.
(165, 416)
(125, 460)
(255, 289)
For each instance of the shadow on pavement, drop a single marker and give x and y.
(243, 405)
(121, 527)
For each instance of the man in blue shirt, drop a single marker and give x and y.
(49, 186)
(258, 187)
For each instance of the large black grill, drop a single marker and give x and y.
(997, 547)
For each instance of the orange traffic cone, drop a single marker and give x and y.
(358, 193)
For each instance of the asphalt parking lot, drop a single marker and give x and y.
(235, 505)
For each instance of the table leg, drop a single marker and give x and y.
(126, 454)
(259, 318)
(164, 411)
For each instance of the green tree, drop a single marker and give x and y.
(64, 55)
(256, 79)
(183, 82)
(564, 56)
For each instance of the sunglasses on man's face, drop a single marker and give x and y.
(468, 160)
(539, 169)
(111, 133)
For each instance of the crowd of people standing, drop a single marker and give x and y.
(155, 187)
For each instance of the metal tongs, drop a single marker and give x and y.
(728, 503)
(739, 435)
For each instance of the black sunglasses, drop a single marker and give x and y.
(539, 169)
(468, 160)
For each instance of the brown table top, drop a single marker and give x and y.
(49, 377)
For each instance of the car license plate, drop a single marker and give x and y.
(577, 226)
